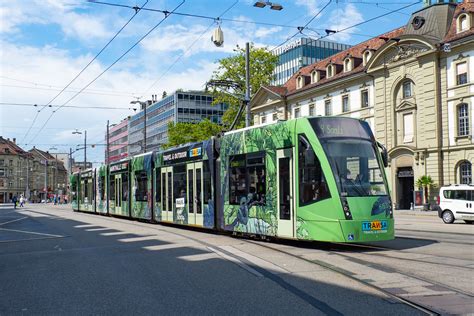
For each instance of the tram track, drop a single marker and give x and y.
(404, 300)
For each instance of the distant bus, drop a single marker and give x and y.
(317, 178)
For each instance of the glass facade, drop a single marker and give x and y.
(303, 52)
(181, 106)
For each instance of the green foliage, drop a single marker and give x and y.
(262, 63)
(182, 133)
(425, 182)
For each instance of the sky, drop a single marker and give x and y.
(46, 43)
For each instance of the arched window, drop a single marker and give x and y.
(329, 71)
(465, 172)
(463, 119)
(314, 76)
(366, 57)
(347, 65)
(299, 82)
(463, 23)
(407, 89)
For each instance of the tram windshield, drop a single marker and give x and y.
(355, 167)
(349, 146)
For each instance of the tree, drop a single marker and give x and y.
(262, 63)
(182, 133)
(425, 182)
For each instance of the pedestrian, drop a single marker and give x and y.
(22, 201)
(54, 199)
(59, 199)
(65, 199)
(14, 200)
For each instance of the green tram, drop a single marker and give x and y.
(119, 188)
(317, 178)
(101, 189)
(87, 191)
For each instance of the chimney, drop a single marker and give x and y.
(14, 141)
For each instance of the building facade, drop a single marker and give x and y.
(181, 106)
(117, 141)
(413, 85)
(14, 177)
(48, 175)
(301, 53)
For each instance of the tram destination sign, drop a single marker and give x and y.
(182, 154)
(119, 166)
(329, 127)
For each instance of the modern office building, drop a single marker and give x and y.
(301, 53)
(180, 106)
(117, 142)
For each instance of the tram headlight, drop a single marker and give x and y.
(346, 209)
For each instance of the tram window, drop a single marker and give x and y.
(158, 186)
(198, 191)
(179, 181)
(191, 191)
(312, 183)
(237, 184)
(86, 186)
(102, 187)
(141, 186)
(112, 188)
(247, 179)
(124, 187)
(207, 183)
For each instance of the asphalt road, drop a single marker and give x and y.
(55, 261)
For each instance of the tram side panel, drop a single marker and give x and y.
(87, 192)
(101, 189)
(74, 190)
(141, 184)
(248, 201)
(119, 184)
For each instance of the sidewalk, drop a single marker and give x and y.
(418, 212)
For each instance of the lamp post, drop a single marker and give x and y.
(85, 145)
(143, 104)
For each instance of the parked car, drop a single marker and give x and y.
(456, 202)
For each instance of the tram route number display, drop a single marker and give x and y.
(374, 226)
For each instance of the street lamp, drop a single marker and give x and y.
(85, 145)
(143, 104)
(272, 5)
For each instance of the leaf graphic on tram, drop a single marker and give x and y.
(381, 205)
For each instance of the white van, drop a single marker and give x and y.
(456, 202)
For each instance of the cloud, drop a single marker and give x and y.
(343, 18)
(311, 6)
(85, 27)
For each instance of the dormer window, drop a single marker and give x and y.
(348, 64)
(366, 57)
(299, 82)
(330, 70)
(315, 76)
(463, 23)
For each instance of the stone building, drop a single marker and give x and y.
(48, 175)
(415, 87)
(14, 163)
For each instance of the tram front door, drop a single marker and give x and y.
(167, 194)
(194, 199)
(286, 216)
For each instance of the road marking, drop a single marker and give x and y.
(14, 220)
(29, 232)
(273, 268)
(97, 229)
(135, 239)
(114, 233)
(28, 239)
(84, 226)
(200, 257)
(237, 262)
(162, 247)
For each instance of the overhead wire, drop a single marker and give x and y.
(301, 28)
(110, 66)
(83, 69)
(355, 25)
(189, 47)
(68, 106)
